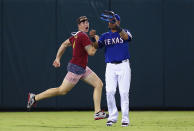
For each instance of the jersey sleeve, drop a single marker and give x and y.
(71, 39)
(101, 41)
(85, 39)
(129, 34)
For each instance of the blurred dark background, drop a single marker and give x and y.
(162, 51)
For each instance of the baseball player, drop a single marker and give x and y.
(118, 70)
(77, 68)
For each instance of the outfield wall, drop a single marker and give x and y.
(162, 51)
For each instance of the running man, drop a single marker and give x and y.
(77, 68)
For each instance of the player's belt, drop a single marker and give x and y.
(119, 62)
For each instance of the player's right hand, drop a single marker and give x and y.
(56, 63)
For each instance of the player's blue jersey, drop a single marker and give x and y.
(116, 49)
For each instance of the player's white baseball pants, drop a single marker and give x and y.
(118, 74)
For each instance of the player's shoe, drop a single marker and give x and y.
(100, 115)
(124, 124)
(31, 100)
(110, 123)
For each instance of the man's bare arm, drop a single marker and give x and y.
(62, 49)
(123, 34)
(90, 49)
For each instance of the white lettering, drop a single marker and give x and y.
(121, 40)
(108, 40)
(113, 40)
(117, 40)
(105, 41)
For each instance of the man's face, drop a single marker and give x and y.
(84, 26)
(113, 25)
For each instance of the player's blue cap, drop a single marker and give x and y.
(117, 17)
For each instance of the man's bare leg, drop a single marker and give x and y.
(95, 81)
(63, 89)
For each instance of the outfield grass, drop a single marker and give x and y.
(83, 121)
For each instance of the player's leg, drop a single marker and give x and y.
(111, 84)
(68, 83)
(124, 80)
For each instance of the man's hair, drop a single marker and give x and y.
(81, 19)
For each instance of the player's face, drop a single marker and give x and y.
(113, 25)
(84, 26)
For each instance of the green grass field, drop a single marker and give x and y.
(83, 121)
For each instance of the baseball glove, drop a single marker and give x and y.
(108, 16)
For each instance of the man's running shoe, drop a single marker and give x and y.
(100, 115)
(31, 100)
